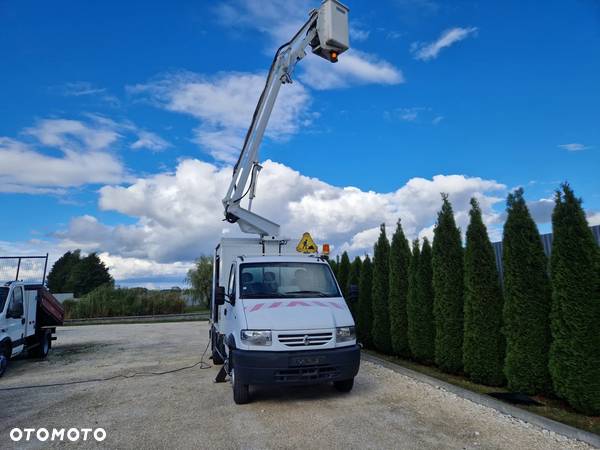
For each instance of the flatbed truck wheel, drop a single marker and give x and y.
(43, 347)
(241, 392)
(4, 355)
(344, 385)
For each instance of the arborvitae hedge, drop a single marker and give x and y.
(343, 272)
(421, 325)
(353, 280)
(381, 313)
(365, 303)
(575, 316)
(334, 266)
(526, 301)
(483, 344)
(447, 262)
(398, 292)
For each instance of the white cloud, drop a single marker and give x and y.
(151, 141)
(86, 89)
(541, 210)
(427, 51)
(353, 68)
(73, 134)
(179, 215)
(224, 105)
(26, 170)
(593, 218)
(574, 147)
(80, 88)
(134, 268)
(358, 34)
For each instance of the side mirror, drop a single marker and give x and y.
(219, 295)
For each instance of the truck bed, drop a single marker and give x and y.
(50, 311)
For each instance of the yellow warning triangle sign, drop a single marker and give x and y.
(306, 244)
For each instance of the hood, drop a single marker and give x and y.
(296, 313)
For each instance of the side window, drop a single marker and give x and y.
(16, 303)
(231, 288)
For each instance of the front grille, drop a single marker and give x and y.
(315, 373)
(305, 339)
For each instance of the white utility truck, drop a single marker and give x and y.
(29, 315)
(277, 313)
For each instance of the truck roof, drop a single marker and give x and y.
(281, 258)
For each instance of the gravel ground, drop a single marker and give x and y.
(187, 410)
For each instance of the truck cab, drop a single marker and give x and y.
(279, 317)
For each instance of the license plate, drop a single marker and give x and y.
(307, 360)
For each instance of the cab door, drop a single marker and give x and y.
(228, 308)
(15, 320)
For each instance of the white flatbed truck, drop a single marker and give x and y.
(277, 314)
(29, 315)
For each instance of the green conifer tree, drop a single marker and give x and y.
(352, 286)
(343, 273)
(447, 262)
(365, 303)
(398, 292)
(575, 313)
(381, 312)
(526, 301)
(483, 343)
(422, 325)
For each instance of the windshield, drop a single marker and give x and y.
(287, 280)
(3, 295)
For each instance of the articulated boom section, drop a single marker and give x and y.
(326, 31)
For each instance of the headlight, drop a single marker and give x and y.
(256, 337)
(345, 334)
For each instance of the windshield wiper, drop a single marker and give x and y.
(263, 295)
(315, 293)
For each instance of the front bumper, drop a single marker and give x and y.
(296, 367)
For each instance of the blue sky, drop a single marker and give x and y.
(119, 121)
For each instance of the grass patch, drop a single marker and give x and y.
(552, 408)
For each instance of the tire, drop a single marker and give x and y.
(4, 357)
(344, 385)
(241, 392)
(43, 347)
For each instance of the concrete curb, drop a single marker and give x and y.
(490, 402)
(138, 319)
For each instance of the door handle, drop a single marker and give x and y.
(23, 321)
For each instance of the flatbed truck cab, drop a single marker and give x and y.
(278, 317)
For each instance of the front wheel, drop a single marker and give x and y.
(241, 392)
(344, 385)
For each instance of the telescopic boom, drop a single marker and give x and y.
(326, 31)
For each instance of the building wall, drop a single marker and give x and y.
(546, 242)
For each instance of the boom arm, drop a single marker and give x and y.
(326, 31)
